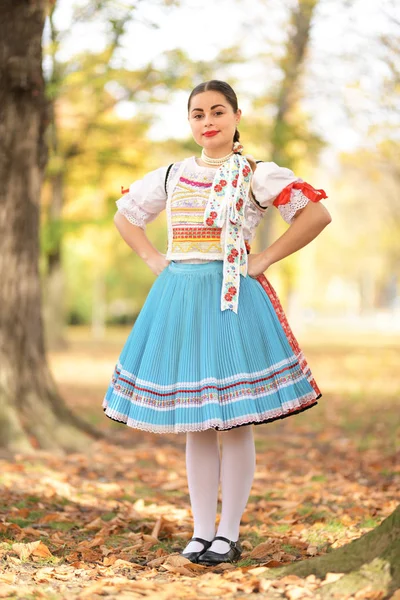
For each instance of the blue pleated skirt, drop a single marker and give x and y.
(188, 366)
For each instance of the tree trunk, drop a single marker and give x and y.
(372, 561)
(54, 284)
(32, 413)
(288, 93)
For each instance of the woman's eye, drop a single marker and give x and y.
(218, 113)
(197, 116)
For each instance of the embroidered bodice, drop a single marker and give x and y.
(188, 194)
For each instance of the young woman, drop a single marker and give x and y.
(211, 352)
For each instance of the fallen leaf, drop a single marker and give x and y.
(33, 548)
(265, 549)
(331, 578)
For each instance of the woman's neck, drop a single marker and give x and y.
(217, 152)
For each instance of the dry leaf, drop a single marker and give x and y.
(331, 578)
(265, 549)
(177, 560)
(7, 591)
(157, 528)
(95, 524)
(33, 548)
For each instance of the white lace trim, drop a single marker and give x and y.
(135, 220)
(297, 201)
(286, 409)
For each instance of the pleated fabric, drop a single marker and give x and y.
(188, 366)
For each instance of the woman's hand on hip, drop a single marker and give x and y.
(157, 263)
(257, 264)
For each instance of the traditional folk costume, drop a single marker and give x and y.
(211, 347)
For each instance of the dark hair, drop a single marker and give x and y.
(223, 88)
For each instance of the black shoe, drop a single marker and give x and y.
(194, 556)
(214, 558)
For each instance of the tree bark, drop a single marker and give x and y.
(372, 562)
(287, 95)
(32, 413)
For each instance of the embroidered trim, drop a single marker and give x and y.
(225, 210)
(195, 183)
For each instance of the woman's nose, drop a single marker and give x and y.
(208, 119)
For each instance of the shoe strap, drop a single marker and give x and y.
(198, 539)
(224, 539)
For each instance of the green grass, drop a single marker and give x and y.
(370, 523)
(291, 549)
(281, 527)
(311, 514)
(27, 501)
(116, 540)
(19, 521)
(319, 478)
(255, 538)
(62, 525)
(247, 562)
(334, 526)
(35, 515)
(108, 516)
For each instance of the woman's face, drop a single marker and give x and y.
(213, 123)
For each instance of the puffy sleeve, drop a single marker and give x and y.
(145, 199)
(278, 186)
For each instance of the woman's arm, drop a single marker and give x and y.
(307, 224)
(137, 239)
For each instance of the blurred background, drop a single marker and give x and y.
(318, 82)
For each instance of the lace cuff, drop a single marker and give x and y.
(297, 201)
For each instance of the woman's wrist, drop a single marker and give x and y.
(266, 259)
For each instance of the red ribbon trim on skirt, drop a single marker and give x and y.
(307, 189)
(280, 313)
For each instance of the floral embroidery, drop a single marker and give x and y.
(225, 210)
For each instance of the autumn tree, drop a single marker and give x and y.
(31, 411)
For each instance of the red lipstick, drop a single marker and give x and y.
(210, 133)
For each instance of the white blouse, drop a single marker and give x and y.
(147, 197)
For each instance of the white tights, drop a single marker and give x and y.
(205, 470)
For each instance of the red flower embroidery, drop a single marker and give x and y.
(234, 183)
(222, 182)
(217, 188)
(232, 290)
(231, 258)
(228, 297)
(210, 222)
(234, 252)
(213, 214)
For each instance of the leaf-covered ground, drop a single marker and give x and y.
(110, 522)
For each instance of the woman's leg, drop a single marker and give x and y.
(237, 474)
(203, 466)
